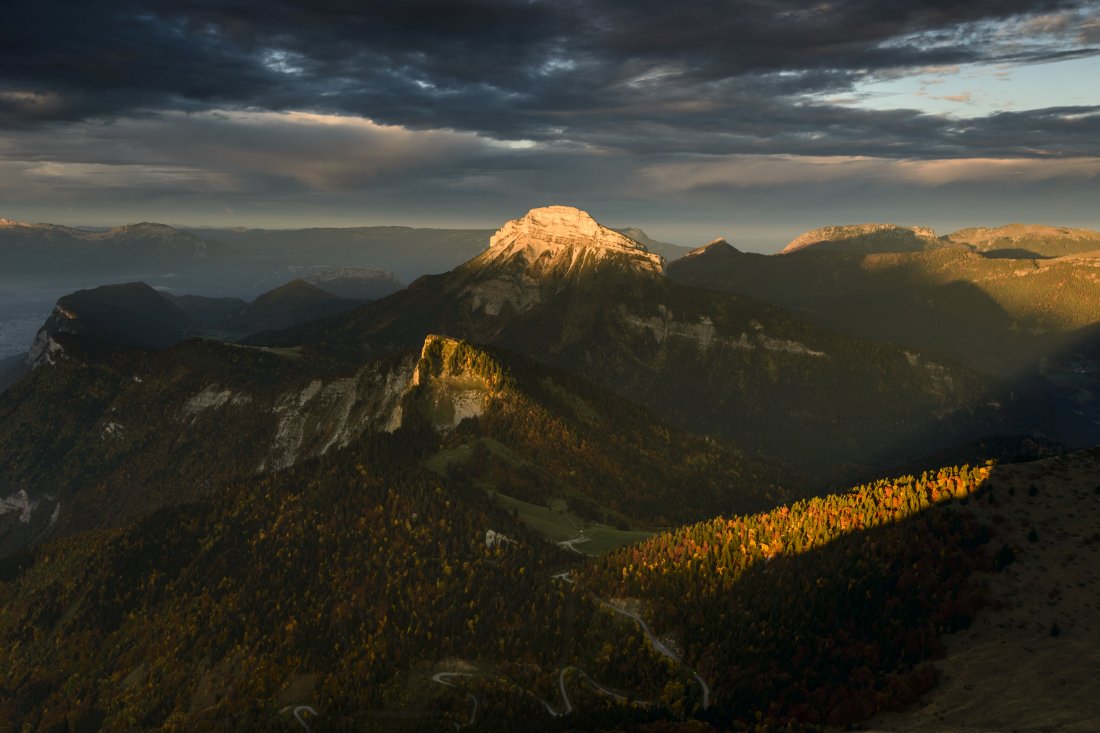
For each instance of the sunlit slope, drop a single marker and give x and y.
(1026, 240)
(824, 611)
(1033, 649)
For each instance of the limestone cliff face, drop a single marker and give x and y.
(865, 238)
(449, 382)
(127, 314)
(325, 415)
(545, 249)
(45, 349)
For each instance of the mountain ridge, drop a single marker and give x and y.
(139, 316)
(696, 357)
(149, 426)
(1017, 240)
(864, 238)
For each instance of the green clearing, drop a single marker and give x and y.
(555, 523)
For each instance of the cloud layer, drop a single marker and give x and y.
(453, 99)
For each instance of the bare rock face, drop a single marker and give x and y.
(45, 349)
(551, 245)
(864, 238)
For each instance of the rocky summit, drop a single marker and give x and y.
(544, 250)
(864, 238)
(562, 239)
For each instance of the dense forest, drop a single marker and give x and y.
(338, 584)
(346, 582)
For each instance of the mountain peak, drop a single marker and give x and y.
(147, 229)
(543, 251)
(551, 237)
(715, 248)
(129, 314)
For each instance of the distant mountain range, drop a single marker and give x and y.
(1012, 241)
(408, 252)
(43, 248)
(136, 315)
(41, 262)
(1025, 320)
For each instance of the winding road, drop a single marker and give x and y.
(567, 706)
(572, 544)
(660, 647)
(441, 678)
(297, 712)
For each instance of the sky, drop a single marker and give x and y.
(692, 120)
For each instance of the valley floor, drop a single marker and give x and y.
(1031, 663)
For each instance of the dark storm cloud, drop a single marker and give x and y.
(639, 76)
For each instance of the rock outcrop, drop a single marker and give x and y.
(452, 381)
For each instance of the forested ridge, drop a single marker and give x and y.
(823, 611)
(343, 582)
